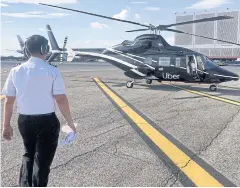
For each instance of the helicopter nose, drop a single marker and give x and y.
(226, 75)
(237, 77)
(233, 76)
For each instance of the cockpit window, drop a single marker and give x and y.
(209, 64)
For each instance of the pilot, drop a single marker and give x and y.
(36, 85)
(190, 65)
(194, 68)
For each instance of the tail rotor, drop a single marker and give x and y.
(63, 55)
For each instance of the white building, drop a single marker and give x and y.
(228, 30)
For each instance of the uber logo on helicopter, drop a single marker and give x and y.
(170, 76)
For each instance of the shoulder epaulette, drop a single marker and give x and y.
(53, 64)
(17, 64)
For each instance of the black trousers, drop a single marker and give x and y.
(40, 137)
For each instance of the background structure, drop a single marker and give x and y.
(225, 29)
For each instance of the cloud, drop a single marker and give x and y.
(35, 14)
(139, 2)
(8, 42)
(3, 5)
(57, 14)
(208, 4)
(42, 1)
(41, 29)
(170, 40)
(97, 25)
(8, 21)
(152, 8)
(137, 17)
(122, 15)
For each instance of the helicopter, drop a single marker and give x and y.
(150, 57)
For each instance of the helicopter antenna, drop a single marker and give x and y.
(122, 38)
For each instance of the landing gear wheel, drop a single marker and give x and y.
(129, 84)
(149, 81)
(213, 87)
(159, 81)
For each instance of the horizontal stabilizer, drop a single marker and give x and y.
(71, 54)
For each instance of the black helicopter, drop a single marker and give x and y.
(150, 57)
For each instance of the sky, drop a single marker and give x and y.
(27, 17)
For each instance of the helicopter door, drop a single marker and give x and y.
(192, 66)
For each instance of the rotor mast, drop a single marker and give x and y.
(154, 30)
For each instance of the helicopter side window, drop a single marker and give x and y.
(178, 62)
(164, 61)
(183, 62)
(156, 45)
(146, 44)
(148, 61)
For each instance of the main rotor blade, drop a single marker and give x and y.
(137, 30)
(177, 31)
(199, 21)
(98, 15)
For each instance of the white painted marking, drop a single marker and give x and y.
(225, 76)
(120, 53)
(202, 71)
(107, 57)
(182, 68)
(137, 72)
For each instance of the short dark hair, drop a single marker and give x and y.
(35, 42)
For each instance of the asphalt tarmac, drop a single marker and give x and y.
(111, 151)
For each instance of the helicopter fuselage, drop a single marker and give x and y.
(155, 59)
(149, 56)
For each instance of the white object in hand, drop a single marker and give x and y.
(70, 137)
(67, 129)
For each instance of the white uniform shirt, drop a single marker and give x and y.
(193, 66)
(34, 83)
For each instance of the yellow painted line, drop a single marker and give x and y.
(207, 95)
(198, 175)
(2, 97)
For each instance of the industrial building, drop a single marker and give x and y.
(228, 30)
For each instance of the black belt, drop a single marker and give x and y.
(48, 114)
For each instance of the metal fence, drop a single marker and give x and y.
(228, 30)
